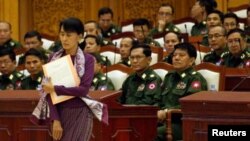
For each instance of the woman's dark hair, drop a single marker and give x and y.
(72, 24)
(191, 50)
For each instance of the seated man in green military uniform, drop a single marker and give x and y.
(105, 16)
(100, 81)
(125, 46)
(199, 12)
(183, 81)
(170, 40)
(214, 18)
(165, 20)
(33, 39)
(10, 78)
(141, 32)
(92, 28)
(217, 41)
(230, 21)
(238, 55)
(33, 61)
(247, 27)
(5, 36)
(143, 86)
(92, 45)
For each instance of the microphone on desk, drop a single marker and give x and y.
(243, 78)
(199, 48)
(106, 68)
(185, 25)
(115, 52)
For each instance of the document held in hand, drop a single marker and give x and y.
(61, 72)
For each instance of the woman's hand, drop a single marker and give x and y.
(161, 114)
(48, 87)
(57, 130)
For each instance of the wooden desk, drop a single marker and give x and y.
(125, 122)
(211, 108)
(234, 76)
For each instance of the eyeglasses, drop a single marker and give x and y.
(138, 57)
(216, 36)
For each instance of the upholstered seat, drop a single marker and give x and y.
(215, 75)
(118, 73)
(112, 53)
(162, 68)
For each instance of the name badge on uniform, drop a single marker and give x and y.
(181, 85)
(141, 87)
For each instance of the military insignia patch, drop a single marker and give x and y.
(181, 85)
(152, 86)
(39, 79)
(141, 87)
(92, 88)
(183, 75)
(103, 78)
(12, 43)
(11, 77)
(95, 80)
(248, 63)
(103, 88)
(196, 84)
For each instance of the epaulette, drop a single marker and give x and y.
(176, 29)
(39, 79)
(224, 54)
(194, 72)
(113, 30)
(103, 78)
(105, 42)
(12, 44)
(248, 54)
(95, 80)
(183, 75)
(128, 62)
(204, 22)
(19, 75)
(104, 58)
(146, 76)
